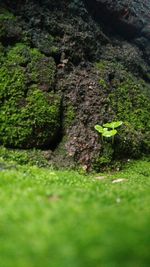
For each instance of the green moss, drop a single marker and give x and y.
(30, 156)
(6, 15)
(12, 83)
(34, 124)
(45, 43)
(41, 70)
(103, 83)
(19, 54)
(1, 54)
(28, 116)
(104, 158)
(129, 102)
(102, 65)
(69, 116)
(129, 142)
(8, 25)
(1, 49)
(133, 107)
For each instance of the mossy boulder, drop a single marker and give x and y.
(29, 108)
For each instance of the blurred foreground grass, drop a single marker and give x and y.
(65, 219)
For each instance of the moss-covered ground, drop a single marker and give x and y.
(65, 219)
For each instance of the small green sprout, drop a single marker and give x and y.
(103, 130)
(113, 124)
(99, 128)
(109, 133)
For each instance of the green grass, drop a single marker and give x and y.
(65, 219)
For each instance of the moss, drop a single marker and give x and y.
(69, 116)
(1, 54)
(41, 69)
(6, 15)
(1, 49)
(129, 142)
(8, 25)
(103, 83)
(102, 65)
(5, 18)
(129, 102)
(12, 83)
(28, 116)
(19, 54)
(35, 124)
(30, 156)
(105, 157)
(45, 43)
(133, 107)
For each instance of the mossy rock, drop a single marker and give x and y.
(129, 102)
(30, 110)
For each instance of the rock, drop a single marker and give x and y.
(71, 65)
(128, 17)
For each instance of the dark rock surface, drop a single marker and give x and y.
(129, 18)
(102, 55)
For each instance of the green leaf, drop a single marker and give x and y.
(109, 133)
(99, 128)
(113, 124)
(105, 129)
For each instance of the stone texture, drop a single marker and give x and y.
(77, 35)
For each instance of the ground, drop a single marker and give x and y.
(64, 218)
